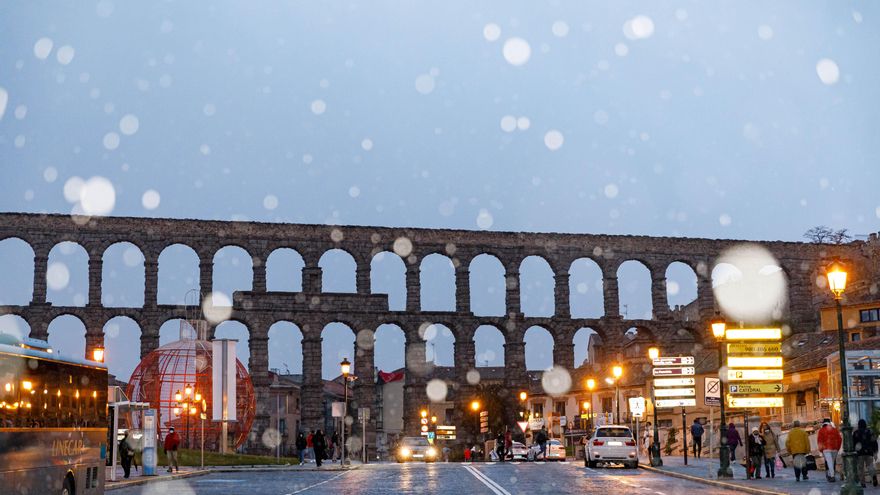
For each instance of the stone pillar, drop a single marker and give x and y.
(562, 295)
(413, 289)
(563, 355)
(362, 278)
(462, 289)
(659, 300)
(364, 396)
(515, 375)
(258, 368)
(96, 266)
(465, 361)
(414, 395)
(259, 267)
(151, 280)
(94, 338)
(41, 265)
(803, 315)
(705, 298)
(513, 294)
(311, 279)
(312, 392)
(39, 322)
(611, 296)
(206, 276)
(149, 340)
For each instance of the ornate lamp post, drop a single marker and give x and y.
(617, 371)
(719, 329)
(656, 461)
(186, 406)
(836, 273)
(345, 365)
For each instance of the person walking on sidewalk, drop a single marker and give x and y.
(755, 447)
(771, 449)
(172, 441)
(647, 439)
(798, 445)
(697, 436)
(508, 443)
(320, 446)
(310, 444)
(866, 448)
(829, 443)
(541, 440)
(334, 446)
(733, 441)
(301, 447)
(126, 454)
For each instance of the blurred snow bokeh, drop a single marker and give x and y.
(749, 285)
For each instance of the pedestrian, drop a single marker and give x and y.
(733, 441)
(798, 445)
(334, 446)
(508, 443)
(319, 444)
(467, 454)
(866, 448)
(301, 447)
(541, 440)
(755, 447)
(499, 446)
(310, 444)
(829, 443)
(445, 450)
(126, 454)
(172, 441)
(697, 437)
(771, 450)
(647, 439)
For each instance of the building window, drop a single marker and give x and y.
(869, 315)
(855, 337)
(282, 426)
(559, 408)
(538, 410)
(606, 404)
(801, 399)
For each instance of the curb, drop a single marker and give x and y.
(143, 480)
(716, 483)
(266, 469)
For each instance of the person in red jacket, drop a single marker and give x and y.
(829, 443)
(172, 441)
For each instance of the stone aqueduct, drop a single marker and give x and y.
(311, 310)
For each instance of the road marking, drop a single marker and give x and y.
(489, 482)
(319, 484)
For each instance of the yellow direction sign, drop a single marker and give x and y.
(755, 388)
(756, 349)
(734, 334)
(755, 402)
(754, 375)
(754, 362)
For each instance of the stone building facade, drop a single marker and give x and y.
(312, 309)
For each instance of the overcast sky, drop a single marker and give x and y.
(738, 119)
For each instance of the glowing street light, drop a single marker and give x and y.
(475, 405)
(653, 353)
(617, 371)
(98, 354)
(837, 274)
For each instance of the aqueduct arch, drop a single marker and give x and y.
(312, 308)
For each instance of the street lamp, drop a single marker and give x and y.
(98, 354)
(836, 273)
(719, 329)
(617, 371)
(345, 366)
(186, 406)
(656, 461)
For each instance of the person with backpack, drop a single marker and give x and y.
(697, 436)
(499, 446)
(541, 440)
(866, 448)
(126, 454)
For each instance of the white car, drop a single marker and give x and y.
(611, 444)
(518, 451)
(555, 451)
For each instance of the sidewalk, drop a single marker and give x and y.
(706, 471)
(137, 477)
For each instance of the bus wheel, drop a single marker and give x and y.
(67, 488)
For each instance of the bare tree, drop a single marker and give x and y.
(827, 235)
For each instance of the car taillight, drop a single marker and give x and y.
(631, 444)
(598, 443)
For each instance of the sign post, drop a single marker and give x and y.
(149, 458)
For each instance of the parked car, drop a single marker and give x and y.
(611, 444)
(518, 451)
(415, 449)
(555, 451)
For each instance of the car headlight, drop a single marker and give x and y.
(404, 452)
(431, 452)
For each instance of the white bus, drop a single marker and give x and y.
(53, 420)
